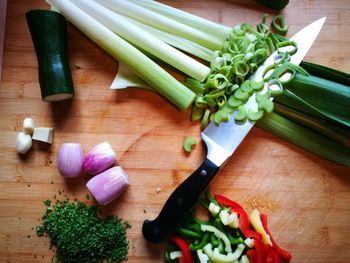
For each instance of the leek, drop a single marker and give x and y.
(127, 54)
(329, 98)
(326, 72)
(135, 35)
(178, 42)
(305, 138)
(194, 21)
(162, 22)
(313, 112)
(323, 127)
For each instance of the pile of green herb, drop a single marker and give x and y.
(79, 234)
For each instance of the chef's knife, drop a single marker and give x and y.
(221, 142)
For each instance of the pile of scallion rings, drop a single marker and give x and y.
(228, 87)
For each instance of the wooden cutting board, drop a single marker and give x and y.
(307, 197)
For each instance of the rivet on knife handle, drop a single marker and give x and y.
(179, 204)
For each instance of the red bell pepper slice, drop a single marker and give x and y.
(244, 224)
(281, 252)
(223, 200)
(260, 250)
(187, 257)
(253, 257)
(271, 255)
(252, 234)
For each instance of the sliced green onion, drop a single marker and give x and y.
(262, 96)
(196, 113)
(254, 115)
(287, 46)
(265, 105)
(256, 85)
(279, 25)
(275, 87)
(233, 102)
(221, 116)
(189, 143)
(205, 119)
(241, 115)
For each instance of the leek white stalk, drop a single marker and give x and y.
(127, 54)
(189, 19)
(177, 41)
(164, 23)
(144, 40)
(125, 78)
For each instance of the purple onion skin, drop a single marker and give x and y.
(99, 158)
(108, 185)
(70, 160)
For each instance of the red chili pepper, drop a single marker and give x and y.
(253, 234)
(281, 252)
(253, 258)
(260, 250)
(244, 224)
(223, 200)
(271, 255)
(187, 257)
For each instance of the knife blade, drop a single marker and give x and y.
(221, 142)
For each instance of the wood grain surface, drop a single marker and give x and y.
(307, 197)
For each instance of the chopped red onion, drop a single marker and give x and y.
(99, 158)
(70, 159)
(107, 186)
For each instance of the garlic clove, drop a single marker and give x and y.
(28, 126)
(23, 142)
(99, 158)
(107, 186)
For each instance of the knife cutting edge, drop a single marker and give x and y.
(221, 142)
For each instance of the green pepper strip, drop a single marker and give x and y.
(210, 198)
(279, 25)
(188, 233)
(205, 239)
(234, 240)
(214, 240)
(196, 227)
(196, 219)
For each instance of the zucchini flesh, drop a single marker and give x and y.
(48, 30)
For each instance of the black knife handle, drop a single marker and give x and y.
(180, 203)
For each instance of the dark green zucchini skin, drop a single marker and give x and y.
(274, 4)
(48, 30)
